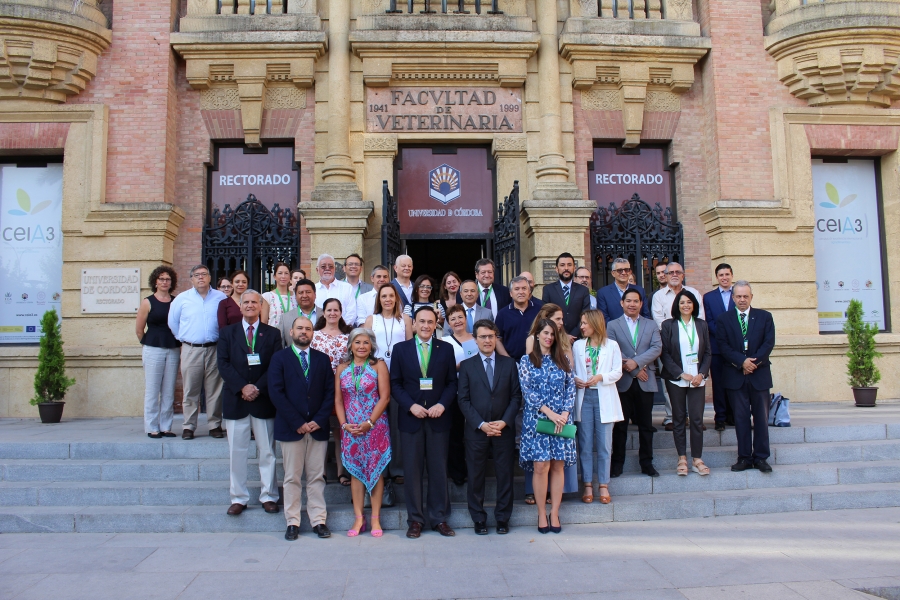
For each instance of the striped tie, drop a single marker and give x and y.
(566, 294)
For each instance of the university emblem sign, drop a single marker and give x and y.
(444, 184)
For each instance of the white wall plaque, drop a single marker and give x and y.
(110, 291)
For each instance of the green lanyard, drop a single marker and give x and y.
(306, 370)
(358, 286)
(357, 378)
(424, 356)
(634, 336)
(691, 338)
(569, 296)
(253, 344)
(743, 322)
(309, 316)
(487, 296)
(284, 309)
(594, 354)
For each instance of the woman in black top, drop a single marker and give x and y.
(161, 353)
(425, 294)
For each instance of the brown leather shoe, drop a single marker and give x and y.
(216, 432)
(236, 509)
(187, 434)
(444, 530)
(270, 507)
(414, 531)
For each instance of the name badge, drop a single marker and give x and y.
(692, 359)
(745, 345)
(426, 383)
(253, 360)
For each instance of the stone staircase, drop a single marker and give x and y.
(173, 485)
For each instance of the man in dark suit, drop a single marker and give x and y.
(573, 298)
(609, 298)
(640, 344)
(243, 353)
(489, 397)
(715, 303)
(301, 384)
(746, 337)
(403, 268)
(493, 296)
(423, 382)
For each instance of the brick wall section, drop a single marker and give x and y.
(33, 135)
(135, 79)
(223, 124)
(740, 83)
(852, 140)
(659, 126)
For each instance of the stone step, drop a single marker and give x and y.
(211, 493)
(202, 519)
(209, 448)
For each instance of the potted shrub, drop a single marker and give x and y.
(861, 355)
(50, 381)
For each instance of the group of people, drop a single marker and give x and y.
(414, 377)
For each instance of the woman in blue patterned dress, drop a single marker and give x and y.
(548, 391)
(362, 394)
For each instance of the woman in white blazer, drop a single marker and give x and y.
(598, 366)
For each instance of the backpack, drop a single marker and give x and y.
(779, 411)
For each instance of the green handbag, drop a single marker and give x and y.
(549, 427)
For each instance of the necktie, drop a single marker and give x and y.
(489, 371)
(470, 322)
(566, 294)
(743, 324)
(250, 336)
(304, 362)
(487, 298)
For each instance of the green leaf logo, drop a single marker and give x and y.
(832, 192)
(24, 201)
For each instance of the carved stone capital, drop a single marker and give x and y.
(510, 146)
(380, 144)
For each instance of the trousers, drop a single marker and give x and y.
(160, 372)
(594, 436)
(238, 453)
(687, 402)
(637, 406)
(420, 449)
(199, 371)
(307, 455)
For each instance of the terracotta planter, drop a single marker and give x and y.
(865, 396)
(51, 412)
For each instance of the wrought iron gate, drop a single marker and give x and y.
(507, 256)
(391, 244)
(643, 235)
(253, 238)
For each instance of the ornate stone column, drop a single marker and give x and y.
(511, 155)
(379, 151)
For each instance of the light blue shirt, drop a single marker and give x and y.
(193, 318)
(726, 296)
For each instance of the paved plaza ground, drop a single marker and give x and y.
(812, 555)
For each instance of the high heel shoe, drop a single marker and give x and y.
(556, 529)
(545, 529)
(376, 532)
(356, 532)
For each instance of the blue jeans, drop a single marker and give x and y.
(594, 435)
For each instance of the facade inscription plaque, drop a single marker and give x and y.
(444, 109)
(110, 290)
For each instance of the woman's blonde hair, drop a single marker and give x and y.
(595, 319)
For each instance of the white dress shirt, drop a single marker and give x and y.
(341, 290)
(407, 289)
(494, 303)
(726, 296)
(663, 300)
(193, 318)
(365, 306)
(632, 324)
(689, 352)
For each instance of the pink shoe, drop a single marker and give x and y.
(354, 532)
(376, 532)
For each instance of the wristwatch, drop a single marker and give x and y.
(371, 424)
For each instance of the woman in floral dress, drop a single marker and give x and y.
(362, 394)
(279, 301)
(330, 337)
(548, 392)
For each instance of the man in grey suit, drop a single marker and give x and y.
(489, 396)
(640, 343)
(468, 291)
(305, 292)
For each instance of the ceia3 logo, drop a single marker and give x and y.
(444, 184)
(28, 234)
(844, 225)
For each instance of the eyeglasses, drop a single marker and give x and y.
(622, 271)
(198, 275)
(425, 287)
(485, 338)
(164, 279)
(225, 287)
(350, 264)
(674, 272)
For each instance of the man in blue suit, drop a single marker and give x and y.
(423, 382)
(301, 386)
(746, 337)
(609, 298)
(715, 303)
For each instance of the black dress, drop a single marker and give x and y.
(158, 333)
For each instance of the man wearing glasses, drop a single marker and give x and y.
(583, 277)
(193, 319)
(609, 298)
(662, 310)
(329, 287)
(353, 275)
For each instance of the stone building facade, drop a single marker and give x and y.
(737, 97)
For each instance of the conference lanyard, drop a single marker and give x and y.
(358, 286)
(487, 296)
(253, 344)
(424, 356)
(306, 370)
(634, 336)
(594, 354)
(309, 316)
(284, 309)
(743, 322)
(691, 338)
(357, 378)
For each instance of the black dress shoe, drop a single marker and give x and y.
(762, 466)
(729, 422)
(187, 434)
(322, 531)
(481, 528)
(155, 436)
(167, 434)
(459, 482)
(216, 432)
(544, 529)
(292, 533)
(741, 465)
(555, 529)
(414, 531)
(615, 470)
(502, 527)
(720, 426)
(444, 530)
(650, 470)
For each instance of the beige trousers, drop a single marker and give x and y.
(200, 371)
(304, 455)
